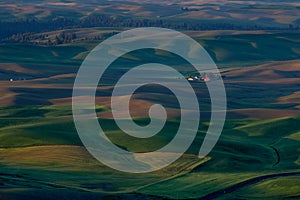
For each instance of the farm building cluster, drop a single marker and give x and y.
(205, 77)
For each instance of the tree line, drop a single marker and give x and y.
(63, 37)
(17, 28)
(43, 39)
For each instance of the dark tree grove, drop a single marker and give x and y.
(26, 30)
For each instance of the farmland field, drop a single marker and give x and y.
(256, 157)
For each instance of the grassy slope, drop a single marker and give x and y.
(239, 157)
(47, 133)
(67, 162)
(279, 188)
(237, 50)
(251, 49)
(234, 159)
(38, 54)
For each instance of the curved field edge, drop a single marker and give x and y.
(243, 186)
(71, 167)
(277, 186)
